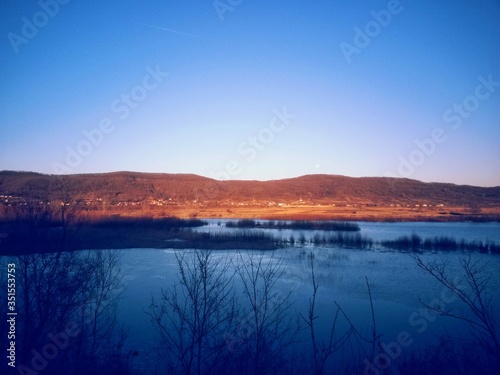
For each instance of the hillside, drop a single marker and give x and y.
(119, 190)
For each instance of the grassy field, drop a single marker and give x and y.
(316, 212)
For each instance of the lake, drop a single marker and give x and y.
(395, 280)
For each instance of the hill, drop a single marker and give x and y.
(135, 191)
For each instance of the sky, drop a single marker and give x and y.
(239, 89)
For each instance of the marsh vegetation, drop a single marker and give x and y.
(343, 226)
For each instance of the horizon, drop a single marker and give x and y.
(253, 90)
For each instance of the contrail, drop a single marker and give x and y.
(175, 31)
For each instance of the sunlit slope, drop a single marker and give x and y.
(137, 187)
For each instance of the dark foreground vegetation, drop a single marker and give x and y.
(66, 322)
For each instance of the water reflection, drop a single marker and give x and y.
(396, 283)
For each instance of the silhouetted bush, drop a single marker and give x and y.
(243, 223)
(296, 225)
(443, 243)
(356, 240)
(322, 225)
(413, 243)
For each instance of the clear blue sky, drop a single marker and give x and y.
(357, 83)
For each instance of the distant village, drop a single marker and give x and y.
(99, 203)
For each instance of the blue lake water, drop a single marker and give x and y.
(396, 283)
